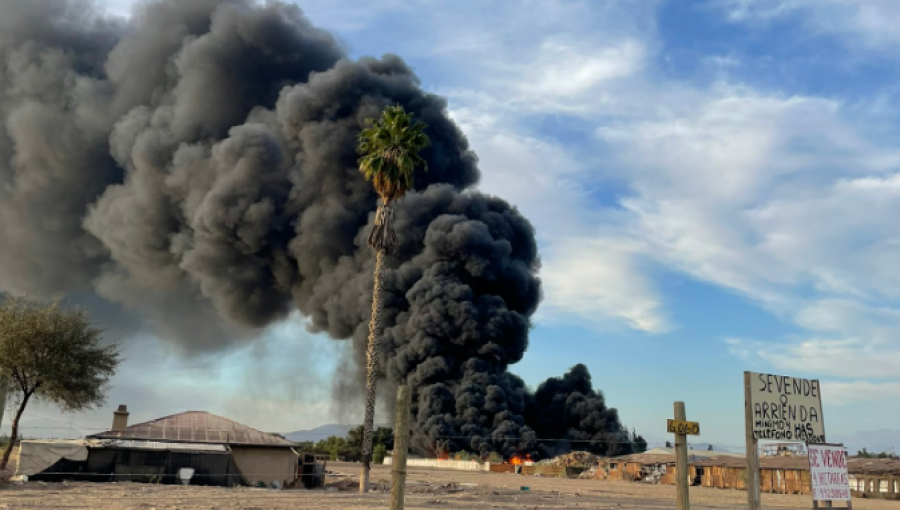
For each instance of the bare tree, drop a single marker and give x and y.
(4, 389)
(52, 354)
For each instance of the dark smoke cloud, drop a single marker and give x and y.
(195, 166)
(569, 409)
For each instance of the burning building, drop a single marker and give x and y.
(195, 164)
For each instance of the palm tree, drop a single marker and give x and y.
(389, 150)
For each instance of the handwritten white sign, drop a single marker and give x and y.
(786, 408)
(828, 470)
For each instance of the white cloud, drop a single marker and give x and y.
(568, 77)
(352, 15)
(585, 276)
(789, 200)
(570, 60)
(542, 177)
(597, 280)
(859, 340)
(843, 316)
(845, 367)
(536, 57)
(739, 347)
(764, 193)
(870, 22)
(846, 357)
(842, 338)
(843, 393)
(758, 191)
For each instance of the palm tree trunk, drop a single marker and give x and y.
(15, 432)
(372, 370)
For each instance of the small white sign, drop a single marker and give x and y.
(828, 470)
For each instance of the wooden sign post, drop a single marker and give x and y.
(682, 428)
(780, 408)
(753, 496)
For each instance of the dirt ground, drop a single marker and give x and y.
(427, 489)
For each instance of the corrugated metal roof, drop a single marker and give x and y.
(800, 463)
(855, 465)
(643, 458)
(165, 446)
(864, 466)
(197, 427)
(702, 454)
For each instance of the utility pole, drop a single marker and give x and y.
(401, 446)
(681, 462)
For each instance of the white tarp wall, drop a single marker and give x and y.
(36, 456)
(460, 465)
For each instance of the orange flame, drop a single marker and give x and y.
(518, 460)
(444, 456)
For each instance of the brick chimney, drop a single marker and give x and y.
(120, 418)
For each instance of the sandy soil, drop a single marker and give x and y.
(428, 489)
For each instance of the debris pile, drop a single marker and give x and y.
(343, 485)
(589, 474)
(573, 459)
(419, 487)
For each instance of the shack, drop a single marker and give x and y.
(311, 471)
(874, 478)
(125, 460)
(651, 466)
(259, 457)
(638, 467)
(779, 474)
(217, 450)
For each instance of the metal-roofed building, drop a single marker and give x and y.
(196, 427)
(219, 450)
(652, 465)
(260, 457)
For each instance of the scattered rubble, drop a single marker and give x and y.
(589, 474)
(574, 459)
(342, 485)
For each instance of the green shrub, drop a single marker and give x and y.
(378, 453)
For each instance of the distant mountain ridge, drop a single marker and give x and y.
(876, 441)
(660, 442)
(324, 432)
(705, 447)
(319, 433)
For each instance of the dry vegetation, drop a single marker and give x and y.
(428, 489)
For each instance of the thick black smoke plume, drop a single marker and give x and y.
(195, 164)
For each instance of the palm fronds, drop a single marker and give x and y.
(389, 152)
(389, 155)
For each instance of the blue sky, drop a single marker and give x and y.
(715, 186)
